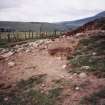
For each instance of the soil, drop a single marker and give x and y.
(40, 61)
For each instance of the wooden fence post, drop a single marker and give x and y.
(8, 37)
(32, 35)
(0, 35)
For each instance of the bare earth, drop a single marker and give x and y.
(39, 61)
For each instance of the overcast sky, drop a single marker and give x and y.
(49, 10)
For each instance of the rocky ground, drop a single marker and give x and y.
(49, 58)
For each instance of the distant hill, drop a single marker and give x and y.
(32, 26)
(78, 23)
(97, 24)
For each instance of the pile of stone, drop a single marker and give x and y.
(27, 47)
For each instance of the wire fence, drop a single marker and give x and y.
(20, 36)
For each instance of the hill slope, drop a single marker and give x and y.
(98, 24)
(77, 23)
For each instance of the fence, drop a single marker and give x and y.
(19, 36)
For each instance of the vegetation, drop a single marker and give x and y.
(26, 93)
(97, 98)
(3, 44)
(90, 53)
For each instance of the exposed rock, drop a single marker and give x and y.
(64, 51)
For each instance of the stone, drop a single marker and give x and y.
(85, 67)
(3, 50)
(11, 64)
(6, 99)
(27, 51)
(64, 66)
(59, 58)
(77, 88)
(20, 49)
(43, 85)
(82, 75)
(94, 53)
(17, 46)
(75, 74)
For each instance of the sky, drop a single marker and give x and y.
(49, 10)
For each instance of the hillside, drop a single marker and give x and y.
(78, 23)
(97, 24)
(63, 71)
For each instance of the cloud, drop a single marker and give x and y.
(48, 10)
(8, 4)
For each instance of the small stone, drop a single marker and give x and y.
(59, 58)
(85, 67)
(19, 49)
(94, 53)
(43, 85)
(75, 74)
(17, 46)
(6, 99)
(77, 88)
(82, 75)
(71, 77)
(11, 64)
(64, 66)
(27, 51)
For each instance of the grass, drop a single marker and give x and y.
(31, 82)
(3, 44)
(90, 52)
(97, 98)
(26, 94)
